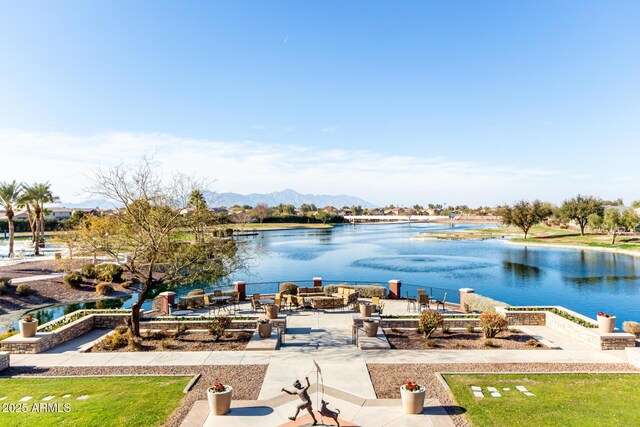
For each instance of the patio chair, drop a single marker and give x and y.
(291, 301)
(277, 300)
(210, 305)
(255, 304)
(411, 302)
(375, 302)
(423, 301)
(441, 303)
(422, 292)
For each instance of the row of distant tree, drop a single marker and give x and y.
(599, 215)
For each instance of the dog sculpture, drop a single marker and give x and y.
(326, 412)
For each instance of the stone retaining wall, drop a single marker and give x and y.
(591, 336)
(46, 340)
(451, 322)
(4, 361)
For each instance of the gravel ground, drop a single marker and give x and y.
(33, 268)
(246, 380)
(387, 379)
(189, 341)
(406, 339)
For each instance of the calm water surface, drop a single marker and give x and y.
(585, 281)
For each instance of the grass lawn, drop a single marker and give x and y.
(113, 401)
(561, 399)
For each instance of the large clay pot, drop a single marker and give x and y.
(412, 401)
(28, 329)
(272, 311)
(366, 310)
(370, 328)
(606, 324)
(219, 403)
(264, 329)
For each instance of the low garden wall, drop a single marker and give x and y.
(412, 323)
(569, 323)
(46, 338)
(4, 360)
(82, 321)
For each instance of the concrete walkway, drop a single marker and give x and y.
(36, 278)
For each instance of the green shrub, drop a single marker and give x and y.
(490, 343)
(5, 281)
(157, 335)
(23, 290)
(492, 324)
(126, 285)
(109, 273)
(3, 288)
(631, 327)
(446, 329)
(195, 292)
(365, 291)
(471, 328)
(288, 288)
(104, 289)
(73, 279)
(89, 271)
(217, 326)
(430, 321)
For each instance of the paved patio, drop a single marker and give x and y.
(322, 338)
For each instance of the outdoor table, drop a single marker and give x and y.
(266, 301)
(220, 299)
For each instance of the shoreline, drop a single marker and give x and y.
(635, 254)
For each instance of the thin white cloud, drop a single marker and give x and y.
(248, 166)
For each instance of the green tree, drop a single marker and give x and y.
(356, 210)
(611, 223)
(39, 195)
(635, 204)
(629, 219)
(579, 208)
(525, 215)
(286, 209)
(142, 234)
(323, 216)
(200, 213)
(10, 196)
(595, 221)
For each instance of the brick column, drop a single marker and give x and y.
(317, 282)
(240, 288)
(167, 300)
(463, 295)
(395, 289)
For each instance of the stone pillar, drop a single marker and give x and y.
(395, 289)
(167, 299)
(317, 282)
(240, 288)
(463, 296)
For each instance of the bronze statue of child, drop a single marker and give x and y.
(304, 396)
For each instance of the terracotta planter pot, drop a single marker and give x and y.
(366, 310)
(370, 328)
(264, 330)
(272, 311)
(606, 324)
(28, 329)
(412, 401)
(219, 403)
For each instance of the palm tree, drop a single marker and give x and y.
(10, 193)
(27, 201)
(40, 195)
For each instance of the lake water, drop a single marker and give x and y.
(584, 281)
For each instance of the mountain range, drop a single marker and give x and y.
(229, 199)
(285, 197)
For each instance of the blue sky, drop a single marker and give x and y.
(396, 102)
